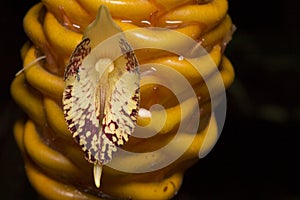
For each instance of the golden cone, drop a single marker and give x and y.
(55, 164)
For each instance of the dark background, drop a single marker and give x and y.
(257, 155)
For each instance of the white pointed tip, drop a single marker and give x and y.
(97, 174)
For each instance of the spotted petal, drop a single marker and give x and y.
(101, 97)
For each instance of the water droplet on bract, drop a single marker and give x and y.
(180, 58)
(76, 26)
(126, 21)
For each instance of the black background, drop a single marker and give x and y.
(257, 155)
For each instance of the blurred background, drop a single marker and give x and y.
(257, 155)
